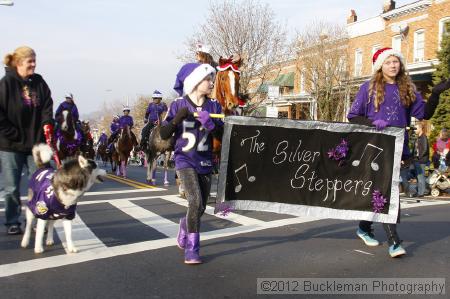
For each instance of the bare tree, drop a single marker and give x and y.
(323, 66)
(247, 28)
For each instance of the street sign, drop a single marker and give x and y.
(271, 111)
(273, 91)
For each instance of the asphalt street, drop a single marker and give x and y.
(126, 235)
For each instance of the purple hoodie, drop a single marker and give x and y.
(391, 110)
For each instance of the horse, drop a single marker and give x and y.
(101, 151)
(123, 147)
(226, 88)
(226, 91)
(226, 85)
(68, 137)
(157, 146)
(87, 146)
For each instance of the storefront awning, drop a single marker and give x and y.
(285, 80)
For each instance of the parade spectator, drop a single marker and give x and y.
(26, 118)
(193, 149)
(421, 158)
(439, 148)
(153, 116)
(390, 98)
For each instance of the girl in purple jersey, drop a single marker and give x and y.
(193, 148)
(390, 98)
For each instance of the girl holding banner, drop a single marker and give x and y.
(390, 98)
(193, 148)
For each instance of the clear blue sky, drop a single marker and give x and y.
(130, 47)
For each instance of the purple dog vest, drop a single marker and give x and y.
(44, 203)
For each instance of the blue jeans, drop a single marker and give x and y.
(12, 166)
(420, 171)
(404, 175)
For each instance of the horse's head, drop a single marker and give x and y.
(66, 121)
(125, 132)
(226, 87)
(85, 126)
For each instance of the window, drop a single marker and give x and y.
(397, 43)
(419, 45)
(444, 29)
(358, 63)
(374, 49)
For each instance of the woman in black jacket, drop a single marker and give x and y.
(421, 158)
(26, 118)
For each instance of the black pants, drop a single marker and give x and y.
(196, 188)
(145, 133)
(390, 229)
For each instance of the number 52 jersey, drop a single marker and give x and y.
(193, 143)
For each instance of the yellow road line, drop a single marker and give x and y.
(129, 182)
(133, 182)
(124, 182)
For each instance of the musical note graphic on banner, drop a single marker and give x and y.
(373, 164)
(251, 179)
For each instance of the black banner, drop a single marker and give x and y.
(329, 170)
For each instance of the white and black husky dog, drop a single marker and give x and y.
(53, 195)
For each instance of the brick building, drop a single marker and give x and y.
(414, 29)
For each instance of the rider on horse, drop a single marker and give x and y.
(153, 116)
(69, 105)
(125, 120)
(103, 139)
(115, 126)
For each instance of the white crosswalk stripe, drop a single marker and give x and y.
(153, 220)
(243, 220)
(85, 238)
(92, 248)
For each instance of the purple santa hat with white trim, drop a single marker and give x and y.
(190, 75)
(157, 94)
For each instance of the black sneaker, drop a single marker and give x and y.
(14, 230)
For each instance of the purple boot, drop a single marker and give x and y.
(191, 251)
(182, 234)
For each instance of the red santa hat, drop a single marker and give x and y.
(382, 54)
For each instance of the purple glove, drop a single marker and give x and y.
(205, 120)
(380, 124)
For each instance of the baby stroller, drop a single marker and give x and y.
(439, 180)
